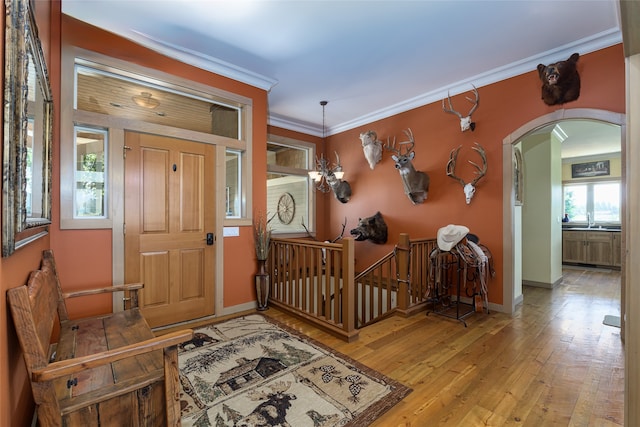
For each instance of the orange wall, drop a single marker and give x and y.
(504, 107)
(84, 256)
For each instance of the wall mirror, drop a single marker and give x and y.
(28, 108)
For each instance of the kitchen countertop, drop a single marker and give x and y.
(611, 229)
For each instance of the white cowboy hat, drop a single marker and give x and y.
(450, 235)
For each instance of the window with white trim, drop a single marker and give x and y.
(290, 197)
(90, 174)
(594, 203)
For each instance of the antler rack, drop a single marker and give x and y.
(480, 170)
(391, 146)
(465, 121)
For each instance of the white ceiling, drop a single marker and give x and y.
(584, 138)
(369, 58)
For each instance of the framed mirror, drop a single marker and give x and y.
(28, 109)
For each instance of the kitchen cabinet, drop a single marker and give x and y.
(591, 247)
(573, 246)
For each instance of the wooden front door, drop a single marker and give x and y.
(169, 213)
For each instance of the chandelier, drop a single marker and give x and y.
(326, 175)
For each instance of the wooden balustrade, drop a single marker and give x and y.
(317, 282)
(314, 280)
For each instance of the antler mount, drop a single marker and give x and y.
(469, 188)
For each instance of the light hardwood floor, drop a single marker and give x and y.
(553, 363)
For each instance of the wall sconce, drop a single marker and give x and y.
(329, 177)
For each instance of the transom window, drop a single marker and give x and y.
(118, 95)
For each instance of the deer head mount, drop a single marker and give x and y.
(372, 147)
(415, 183)
(469, 188)
(465, 122)
(329, 177)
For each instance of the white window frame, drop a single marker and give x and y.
(107, 144)
(591, 201)
(310, 222)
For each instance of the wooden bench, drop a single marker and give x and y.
(104, 371)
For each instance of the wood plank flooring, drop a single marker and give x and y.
(553, 363)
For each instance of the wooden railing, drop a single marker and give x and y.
(314, 280)
(395, 284)
(317, 282)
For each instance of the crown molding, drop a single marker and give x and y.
(205, 62)
(297, 126)
(587, 45)
(591, 44)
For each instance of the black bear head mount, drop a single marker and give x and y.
(560, 81)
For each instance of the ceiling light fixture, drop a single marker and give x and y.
(145, 100)
(324, 171)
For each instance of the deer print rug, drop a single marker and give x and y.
(248, 371)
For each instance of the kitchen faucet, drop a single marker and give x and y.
(589, 223)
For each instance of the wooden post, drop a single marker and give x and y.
(348, 285)
(402, 265)
(172, 386)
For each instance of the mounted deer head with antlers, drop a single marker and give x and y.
(416, 183)
(469, 188)
(465, 122)
(329, 177)
(372, 147)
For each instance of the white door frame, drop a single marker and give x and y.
(509, 243)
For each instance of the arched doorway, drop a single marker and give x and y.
(512, 285)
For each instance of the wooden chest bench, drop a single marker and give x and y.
(104, 371)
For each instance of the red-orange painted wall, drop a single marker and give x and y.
(84, 256)
(504, 107)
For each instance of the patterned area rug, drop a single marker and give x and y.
(249, 371)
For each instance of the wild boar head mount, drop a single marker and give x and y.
(560, 81)
(371, 228)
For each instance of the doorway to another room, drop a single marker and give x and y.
(539, 189)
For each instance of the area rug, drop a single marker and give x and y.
(251, 371)
(611, 320)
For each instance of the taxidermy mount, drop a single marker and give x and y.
(415, 183)
(341, 188)
(465, 121)
(371, 228)
(560, 81)
(468, 187)
(371, 147)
